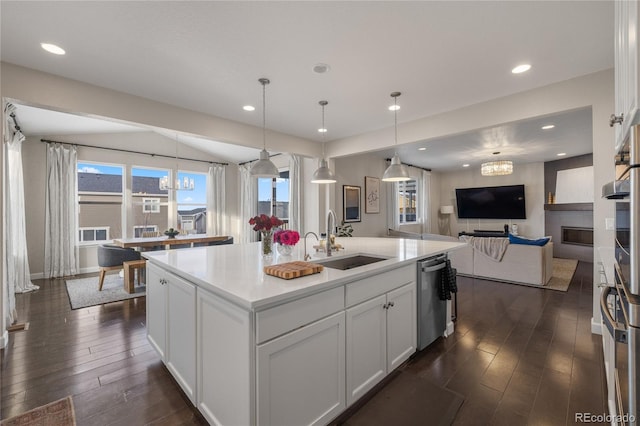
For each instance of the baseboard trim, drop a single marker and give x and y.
(596, 327)
(88, 270)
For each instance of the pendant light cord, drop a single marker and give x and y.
(264, 114)
(324, 129)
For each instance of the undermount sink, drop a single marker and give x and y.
(350, 262)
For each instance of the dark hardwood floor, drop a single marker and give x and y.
(519, 355)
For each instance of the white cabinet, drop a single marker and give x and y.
(171, 325)
(157, 310)
(301, 375)
(181, 334)
(381, 335)
(626, 67)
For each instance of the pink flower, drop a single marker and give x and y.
(286, 237)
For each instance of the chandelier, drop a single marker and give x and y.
(187, 184)
(497, 168)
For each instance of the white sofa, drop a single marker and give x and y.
(520, 264)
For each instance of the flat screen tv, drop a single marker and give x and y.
(491, 202)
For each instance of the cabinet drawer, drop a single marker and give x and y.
(281, 319)
(366, 288)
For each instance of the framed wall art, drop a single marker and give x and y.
(371, 194)
(351, 203)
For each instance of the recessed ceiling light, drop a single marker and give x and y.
(394, 107)
(548, 126)
(249, 108)
(322, 130)
(321, 68)
(422, 149)
(562, 154)
(52, 48)
(521, 68)
(465, 165)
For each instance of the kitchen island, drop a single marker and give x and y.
(249, 348)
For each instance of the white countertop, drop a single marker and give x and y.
(235, 272)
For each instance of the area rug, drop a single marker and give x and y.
(408, 400)
(84, 292)
(563, 270)
(57, 413)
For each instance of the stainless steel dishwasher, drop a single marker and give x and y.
(432, 312)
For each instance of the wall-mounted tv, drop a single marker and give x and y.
(491, 202)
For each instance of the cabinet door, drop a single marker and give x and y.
(626, 66)
(181, 334)
(366, 346)
(401, 325)
(300, 376)
(156, 310)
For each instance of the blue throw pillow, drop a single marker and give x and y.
(513, 239)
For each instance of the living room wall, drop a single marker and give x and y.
(531, 175)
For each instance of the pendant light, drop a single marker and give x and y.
(264, 168)
(323, 174)
(186, 185)
(396, 172)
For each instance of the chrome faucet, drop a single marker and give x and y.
(308, 256)
(330, 227)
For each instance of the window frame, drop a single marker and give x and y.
(82, 229)
(154, 203)
(274, 200)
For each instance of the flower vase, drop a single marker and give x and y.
(266, 244)
(285, 249)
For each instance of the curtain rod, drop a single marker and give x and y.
(251, 161)
(134, 152)
(411, 165)
(15, 122)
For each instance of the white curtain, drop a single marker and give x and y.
(61, 215)
(393, 220)
(425, 200)
(296, 192)
(216, 208)
(248, 203)
(16, 258)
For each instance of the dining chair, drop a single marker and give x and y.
(111, 257)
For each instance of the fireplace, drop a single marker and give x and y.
(576, 235)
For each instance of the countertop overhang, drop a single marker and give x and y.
(235, 272)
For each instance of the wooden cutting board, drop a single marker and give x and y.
(292, 270)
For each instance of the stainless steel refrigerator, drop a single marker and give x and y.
(622, 318)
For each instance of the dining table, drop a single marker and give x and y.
(145, 243)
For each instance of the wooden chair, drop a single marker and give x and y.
(111, 257)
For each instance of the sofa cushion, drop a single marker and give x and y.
(514, 239)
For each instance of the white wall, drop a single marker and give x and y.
(531, 175)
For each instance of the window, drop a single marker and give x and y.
(408, 202)
(273, 196)
(139, 230)
(92, 235)
(100, 196)
(192, 204)
(150, 205)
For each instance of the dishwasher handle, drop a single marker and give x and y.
(434, 268)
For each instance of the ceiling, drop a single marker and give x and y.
(207, 57)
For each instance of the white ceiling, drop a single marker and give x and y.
(207, 56)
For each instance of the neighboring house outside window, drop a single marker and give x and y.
(192, 204)
(100, 202)
(150, 203)
(273, 196)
